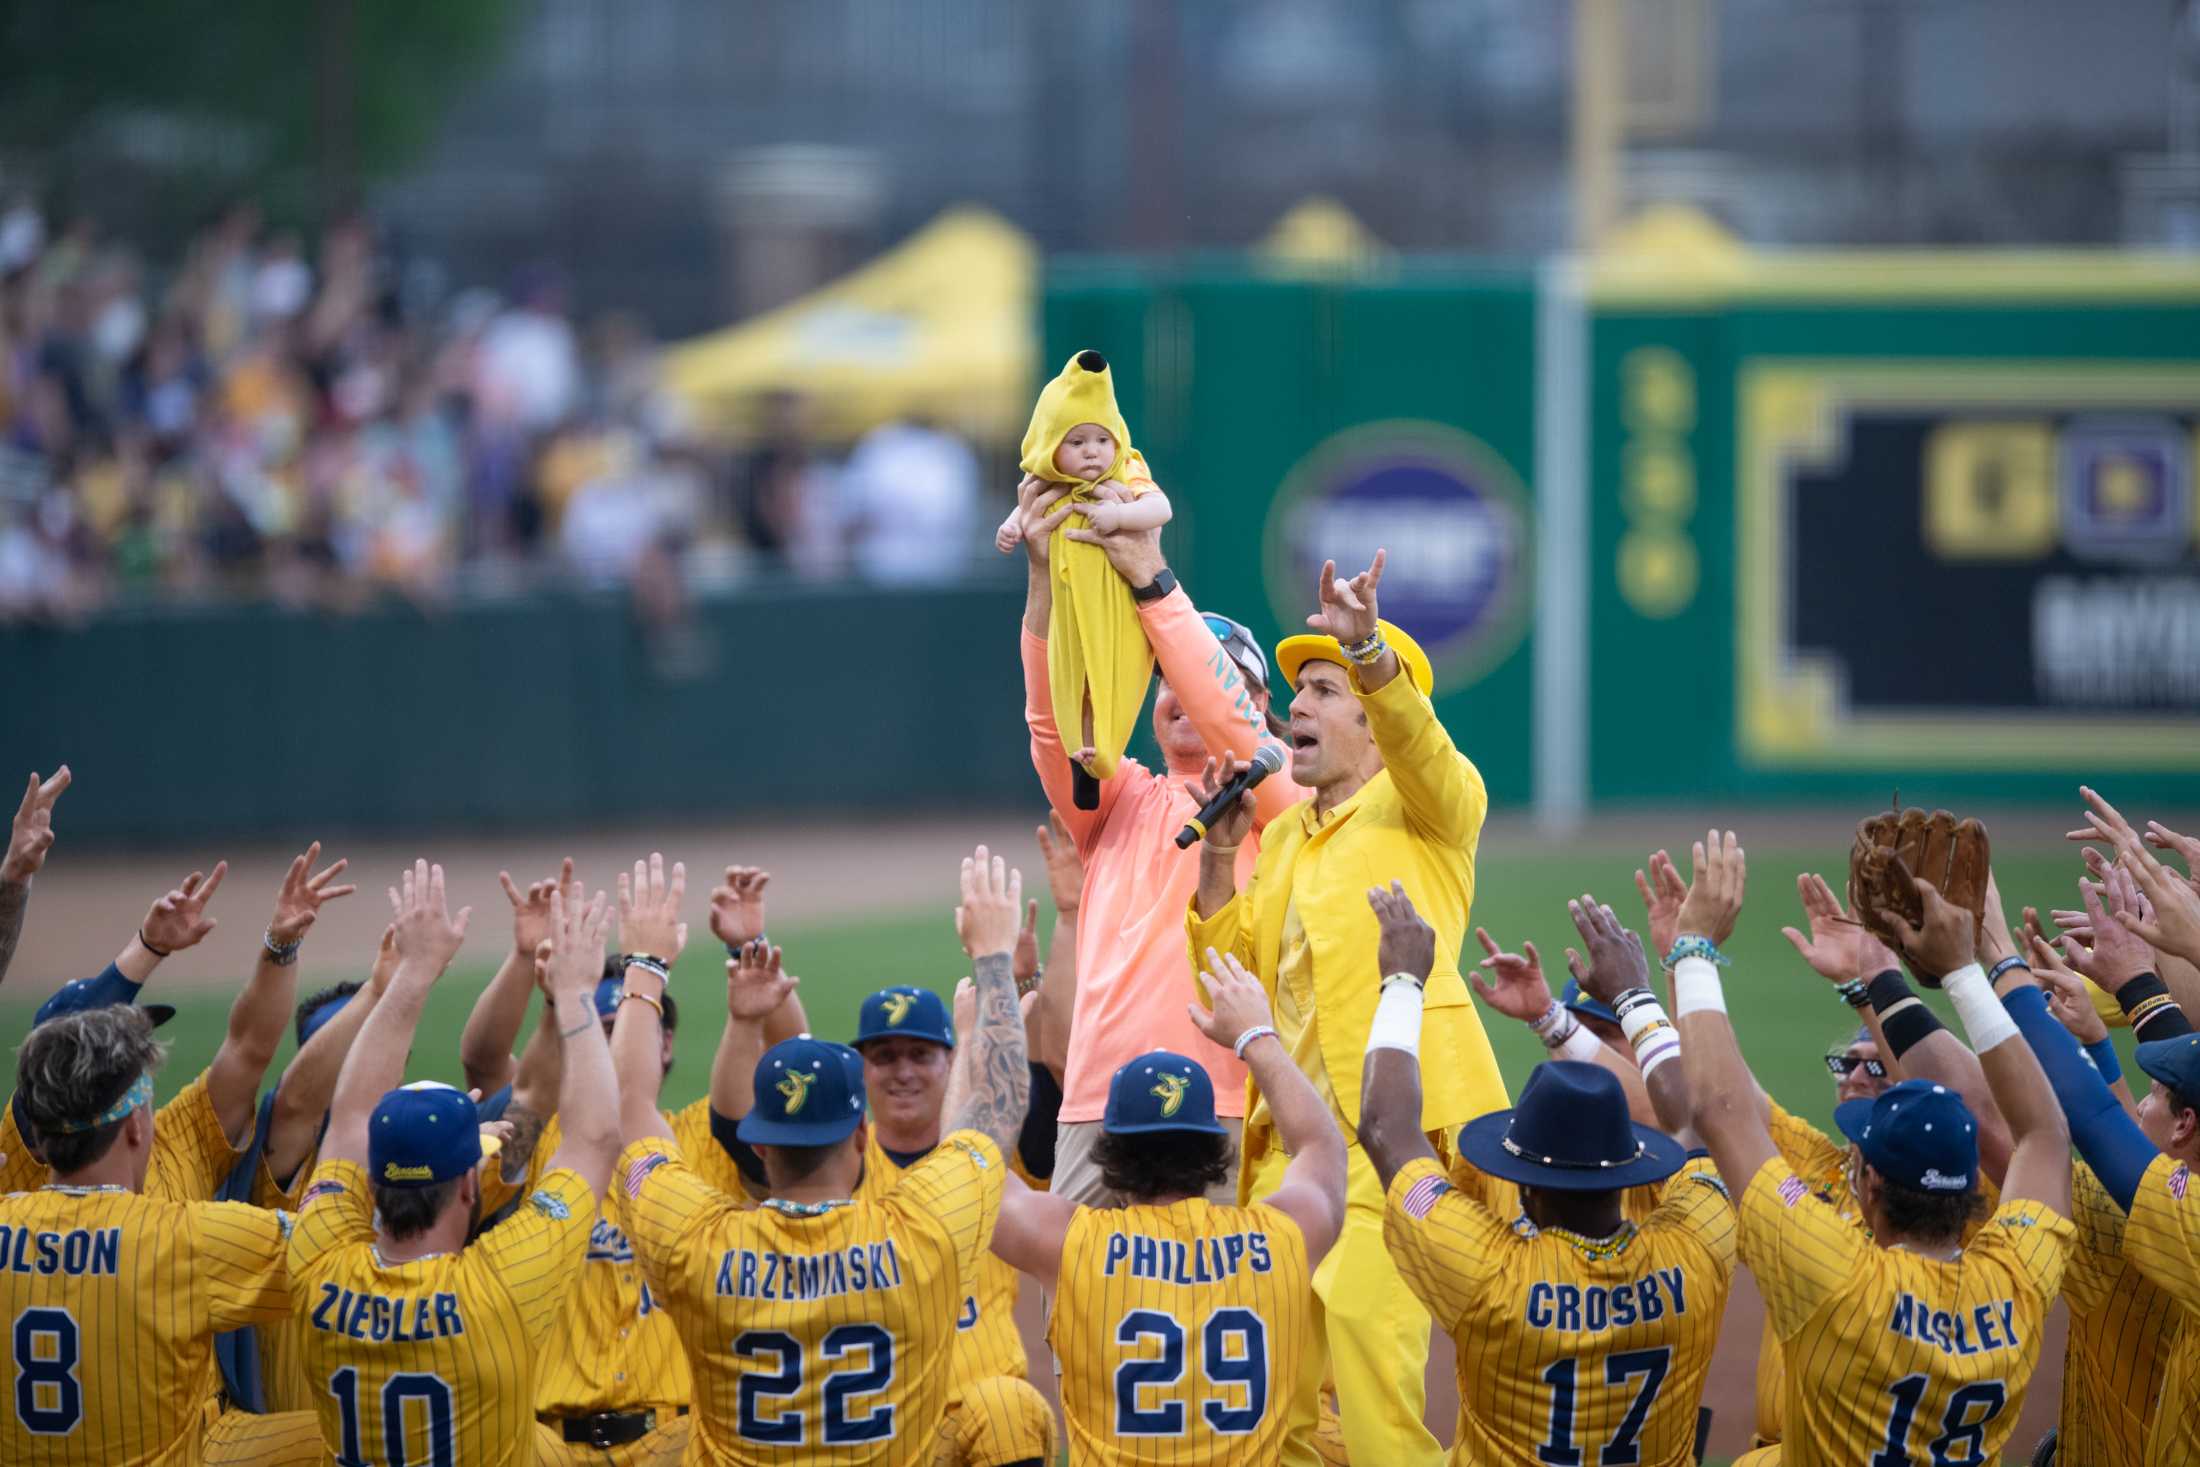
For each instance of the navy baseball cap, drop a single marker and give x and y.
(1915, 1134)
(1161, 1091)
(809, 1092)
(903, 1009)
(611, 991)
(1586, 1007)
(328, 1010)
(2173, 1062)
(424, 1133)
(109, 990)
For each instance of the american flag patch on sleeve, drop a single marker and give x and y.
(1420, 1198)
(639, 1172)
(319, 1190)
(2179, 1180)
(1792, 1190)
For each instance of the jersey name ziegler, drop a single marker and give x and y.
(1186, 1260)
(744, 1273)
(93, 1251)
(378, 1317)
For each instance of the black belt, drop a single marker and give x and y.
(608, 1429)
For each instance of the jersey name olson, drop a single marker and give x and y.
(80, 1251)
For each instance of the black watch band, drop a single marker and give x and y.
(1160, 586)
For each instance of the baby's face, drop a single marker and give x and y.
(1086, 453)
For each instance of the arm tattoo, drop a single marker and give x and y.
(1000, 1076)
(519, 1152)
(15, 897)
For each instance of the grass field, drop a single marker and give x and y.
(1787, 1015)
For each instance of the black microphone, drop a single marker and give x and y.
(1267, 759)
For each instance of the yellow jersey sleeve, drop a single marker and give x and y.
(1696, 1205)
(334, 1212)
(2097, 1255)
(1799, 1248)
(701, 1151)
(245, 1251)
(2038, 1240)
(2162, 1235)
(537, 1251)
(660, 1203)
(191, 1152)
(1447, 1245)
(959, 1183)
(1808, 1151)
(20, 1171)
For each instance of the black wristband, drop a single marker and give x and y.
(1903, 1017)
(1161, 585)
(2146, 1002)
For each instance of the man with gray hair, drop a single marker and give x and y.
(112, 1298)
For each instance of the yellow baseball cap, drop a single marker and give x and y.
(1293, 653)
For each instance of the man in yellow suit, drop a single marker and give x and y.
(1393, 800)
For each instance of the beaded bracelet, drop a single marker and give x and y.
(1368, 651)
(1258, 1031)
(1855, 993)
(649, 964)
(1695, 945)
(282, 954)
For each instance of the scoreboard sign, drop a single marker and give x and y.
(1965, 563)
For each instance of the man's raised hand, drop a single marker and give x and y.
(1838, 948)
(1065, 867)
(1519, 990)
(428, 936)
(1616, 962)
(649, 909)
(1041, 506)
(178, 920)
(756, 983)
(32, 834)
(531, 908)
(578, 929)
(1237, 1001)
(1348, 610)
(737, 906)
(1662, 892)
(1719, 872)
(991, 906)
(304, 892)
(1408, 943)
(1946, 941)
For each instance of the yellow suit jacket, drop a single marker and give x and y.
(1416, 822)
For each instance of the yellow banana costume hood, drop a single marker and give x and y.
(1095, 645)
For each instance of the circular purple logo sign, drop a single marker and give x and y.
(1453, 517)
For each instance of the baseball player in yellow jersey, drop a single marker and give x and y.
(211, 1117)
(109, 1299)
(1180, 1324)
(1582, 1335)
(818, 1324)
(1909, 1345)
(423, 1345)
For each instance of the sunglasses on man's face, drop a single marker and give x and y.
(1843, 1064)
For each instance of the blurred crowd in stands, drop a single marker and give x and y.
(325, 424)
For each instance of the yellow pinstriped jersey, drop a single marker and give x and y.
(1179, 1331)
(191, 1154)
(821, 1337)
(2123, 1328)
(1890, 1352)
(615, 1348)
(2162, 1239)
(1571, 1349)
(431, 1361)
(1824, 1168)
(110, 1301)
(987, 1341)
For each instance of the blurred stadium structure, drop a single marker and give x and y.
(529, 359)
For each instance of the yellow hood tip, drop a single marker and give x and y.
(1082, 392)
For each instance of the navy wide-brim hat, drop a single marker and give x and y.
(1571, 1133)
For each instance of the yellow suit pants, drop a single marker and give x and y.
(1371, 1339)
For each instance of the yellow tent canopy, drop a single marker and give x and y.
(942, 326)
(1320, 236)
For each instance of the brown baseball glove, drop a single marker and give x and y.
(1894, 846)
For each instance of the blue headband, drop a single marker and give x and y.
(138, 1094)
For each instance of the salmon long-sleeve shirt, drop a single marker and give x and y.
(1131, 963)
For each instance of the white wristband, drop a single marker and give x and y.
(1397, 1019)
(1642, 1017)
(1696, 988)
(1981, 1014)
(1580, 1045)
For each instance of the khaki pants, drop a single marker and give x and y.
(1077, 1172)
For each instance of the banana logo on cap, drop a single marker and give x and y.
(1171, 1092)
(897, 1006)
(795, 1085)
